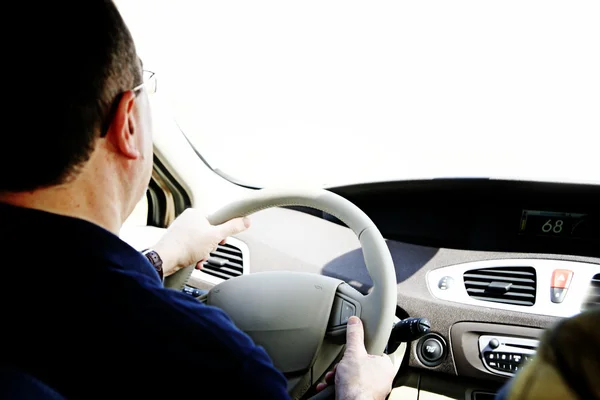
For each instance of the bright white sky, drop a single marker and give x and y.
(332, 92)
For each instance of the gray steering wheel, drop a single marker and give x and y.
(299, 318)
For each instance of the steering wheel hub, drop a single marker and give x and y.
(285, 312)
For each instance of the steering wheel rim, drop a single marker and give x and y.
(378, 309)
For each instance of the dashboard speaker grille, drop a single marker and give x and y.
(226, 262)
(508, 285)
(593, 296)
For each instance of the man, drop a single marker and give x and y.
(83, 313)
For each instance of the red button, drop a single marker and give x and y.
(561, 278)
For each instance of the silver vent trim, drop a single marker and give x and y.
(224, 261)
(447, 284)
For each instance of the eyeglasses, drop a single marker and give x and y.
(148, 81)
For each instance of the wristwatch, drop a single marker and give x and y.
(155, 260)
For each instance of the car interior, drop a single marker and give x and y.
(457, 277)
(481, 278)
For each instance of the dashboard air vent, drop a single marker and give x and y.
(226, 262)
(593, 297)
(508, 285)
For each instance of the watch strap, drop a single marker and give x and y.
(154, 259)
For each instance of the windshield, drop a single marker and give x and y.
(339, 92)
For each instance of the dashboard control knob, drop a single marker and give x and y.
(445, 283)
(494, 343)
(431, 350)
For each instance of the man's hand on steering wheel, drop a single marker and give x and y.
(360, 375)
(191, 238)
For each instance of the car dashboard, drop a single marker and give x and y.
(490, 263)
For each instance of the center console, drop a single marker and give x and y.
(492, 351)
(536, 287)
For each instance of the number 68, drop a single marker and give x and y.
(549, 227)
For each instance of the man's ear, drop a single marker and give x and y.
(123, 127)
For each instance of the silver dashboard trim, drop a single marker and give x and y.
(213, 280)
(571, 305)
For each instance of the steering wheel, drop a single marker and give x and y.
(300, 318)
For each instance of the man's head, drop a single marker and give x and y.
(73, 114)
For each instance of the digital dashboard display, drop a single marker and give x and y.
(558, 224)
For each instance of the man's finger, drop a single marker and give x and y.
(355, 336)
(329, 377)
(234, 226)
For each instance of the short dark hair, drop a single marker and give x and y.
(68, 62)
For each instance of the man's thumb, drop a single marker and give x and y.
(234, 226)
(355, 335)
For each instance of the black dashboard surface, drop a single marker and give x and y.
(483, 215)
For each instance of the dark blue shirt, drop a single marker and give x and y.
(86, 314)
